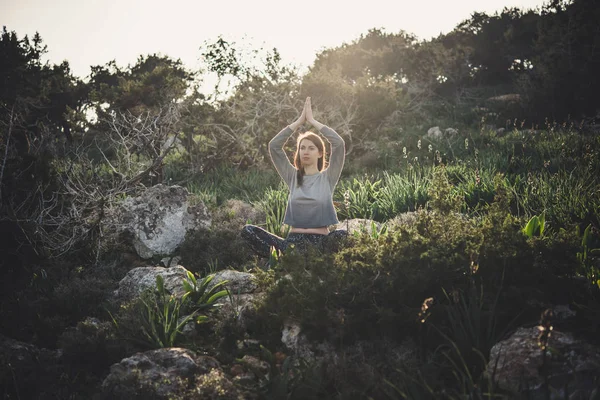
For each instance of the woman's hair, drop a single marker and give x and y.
(321, 163)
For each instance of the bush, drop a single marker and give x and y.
(374, 285)
(91, 339)
(209, 250)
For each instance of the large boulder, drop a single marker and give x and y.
(159, 219)
(518, 364)
(166, 374)
(242, 303)
(237, 282)
(139, 279)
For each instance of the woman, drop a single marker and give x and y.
(310, 204)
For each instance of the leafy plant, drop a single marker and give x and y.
(402, 192)
(361, 197)
(158, 314)
(274, 204)
(201, 294)
(586, 255)
(535, 226)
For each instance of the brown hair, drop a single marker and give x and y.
(321, 163)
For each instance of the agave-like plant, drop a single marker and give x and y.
(160, 320)
(201, 294)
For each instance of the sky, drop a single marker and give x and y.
(94, 32)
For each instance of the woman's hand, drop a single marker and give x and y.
(309, 115)
(301, 119)
(308, 111)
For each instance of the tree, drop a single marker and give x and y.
(41, 109)
(562, 81)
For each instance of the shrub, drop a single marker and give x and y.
(90, 340)
(208, 250)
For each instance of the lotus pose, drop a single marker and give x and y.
(311, 182)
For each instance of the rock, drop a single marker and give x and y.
(359, 225)
(240, 308)
(241, 303)
(562, 313)
(292, 338)
(216, 386)
(518, 363)
(434, 132)
(238, 282)
(139, 279)
(256, 365)
(165, 374)
(170, 261)
(189, 329)
(451, 132)
(159, 219)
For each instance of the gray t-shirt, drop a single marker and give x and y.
(309, 205)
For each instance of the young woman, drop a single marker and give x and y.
(311, 182)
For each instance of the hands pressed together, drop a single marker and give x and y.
(306, 116)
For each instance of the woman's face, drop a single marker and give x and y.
(309, 153)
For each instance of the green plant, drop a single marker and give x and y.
(535, 226)
(201, 294)
(586, 257)
(403, 192)
(274, 204)
(158, 321)
(361, 197)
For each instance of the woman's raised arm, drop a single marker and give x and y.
(338, 146)
(280, 160)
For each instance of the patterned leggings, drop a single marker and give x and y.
(261, 241)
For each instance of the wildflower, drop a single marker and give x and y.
(466, 143)
(419, 144)
(347, 199)
(404, 155)
(430, 147)
(416, 159)
(474, 267)
(545, 328)
(425, 309)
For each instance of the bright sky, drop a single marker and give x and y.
(93, 32)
